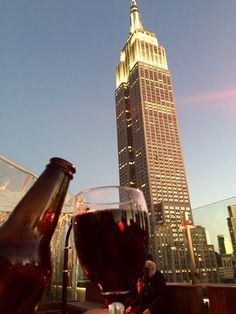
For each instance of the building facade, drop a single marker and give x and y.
(149, 147)
(221, 244)
(206, 268)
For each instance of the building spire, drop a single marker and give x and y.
(135, 19)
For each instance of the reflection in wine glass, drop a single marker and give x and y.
(111, 231)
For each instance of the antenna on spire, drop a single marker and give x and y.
(135, 19)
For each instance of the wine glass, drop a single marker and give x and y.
(111, 233)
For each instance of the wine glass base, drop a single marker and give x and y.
(116, 308)
(116, 296)
(116, 300)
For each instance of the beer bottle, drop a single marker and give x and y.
(25, 263)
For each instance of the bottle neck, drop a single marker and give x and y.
(41, 206)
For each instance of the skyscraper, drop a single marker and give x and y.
(221, 244)
(149, 147)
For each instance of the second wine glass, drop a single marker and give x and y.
(111, 232)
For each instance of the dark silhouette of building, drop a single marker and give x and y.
(221, 244)
(232, 226)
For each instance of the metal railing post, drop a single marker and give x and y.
(65, 270)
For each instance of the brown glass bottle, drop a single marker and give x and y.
(25, 264)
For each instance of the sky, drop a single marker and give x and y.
(57, 86)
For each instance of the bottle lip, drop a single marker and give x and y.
(63, 163)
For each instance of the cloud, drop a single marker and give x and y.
(226, 97)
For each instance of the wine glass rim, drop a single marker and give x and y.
(121, 187)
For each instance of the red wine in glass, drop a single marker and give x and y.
(111, 233)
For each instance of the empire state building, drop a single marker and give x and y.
(150, 155)
(149, 147)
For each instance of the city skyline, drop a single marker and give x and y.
(48, 76)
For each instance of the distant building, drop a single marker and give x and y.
(226, 268)
(232, 226)
(224, 244)
(221, 244)
(205, 259)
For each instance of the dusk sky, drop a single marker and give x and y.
(57, 85)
